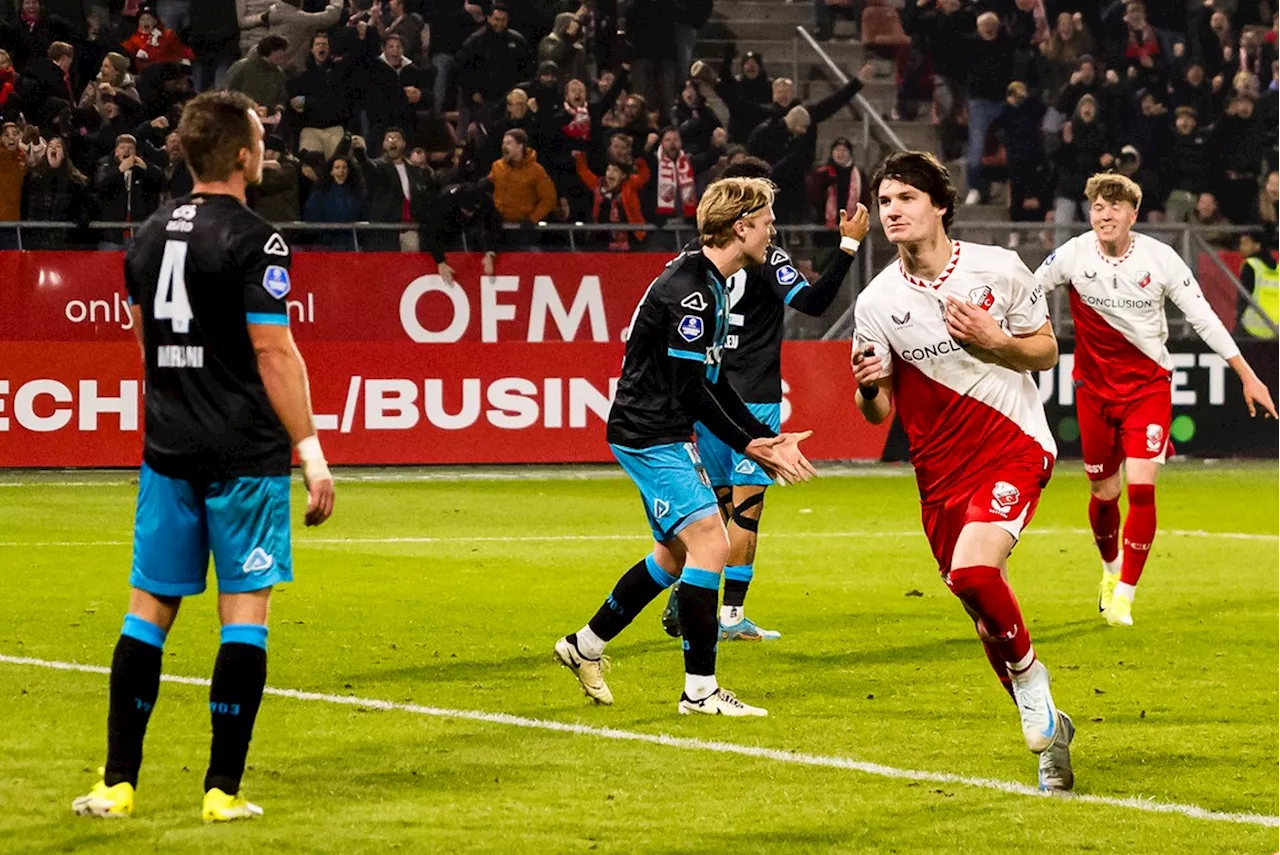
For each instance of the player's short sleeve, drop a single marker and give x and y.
(782, 275)
(867, 331)
(1028, 310)
(264, 259)
(691, 311)
(1054, 271)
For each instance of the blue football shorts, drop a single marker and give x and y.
(728, 468)
(244, 522)
(673, 485)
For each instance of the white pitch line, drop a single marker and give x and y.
(303, 542)
(690, 744)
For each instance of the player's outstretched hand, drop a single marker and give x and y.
(781, 457)
(857, 226)
(867, 365)
(1257, 395)
(969, 324)
(319, 482)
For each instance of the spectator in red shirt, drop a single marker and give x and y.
(153, 42)
(616, 198)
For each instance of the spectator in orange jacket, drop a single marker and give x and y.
(13, 168)
(154, 42)
(522, 190)
(616, 199)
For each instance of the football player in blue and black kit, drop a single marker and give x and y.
(753, 364)
(227, 402)
(672, 378)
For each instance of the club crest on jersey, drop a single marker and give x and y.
(1155, 438)
(901, 321)
(275, 245)
(661, 507)
(982, 297)
(1144, 279)
(695, 301)
(1003, 497)
(745, 467)
(787, 275)
(276, 280)
(690, 328)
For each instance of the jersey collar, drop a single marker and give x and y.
(1115, 262)
(942, 277)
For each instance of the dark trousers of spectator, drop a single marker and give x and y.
(656, 80)
(1238, 199)
(211, 73)
(981, 114)
(444, 89)
(1026, 186)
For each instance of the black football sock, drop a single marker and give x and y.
(239, 676)
(135, 684)
(638, 587)
(699, 593)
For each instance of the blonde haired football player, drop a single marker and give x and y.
(1119, 282)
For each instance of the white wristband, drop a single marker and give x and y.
(309, 449)
(849, 244)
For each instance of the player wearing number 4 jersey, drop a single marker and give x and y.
(753, 366)
(672, 377)
(950, 333)
(1119, 282)
(226, 400)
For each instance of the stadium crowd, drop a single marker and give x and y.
(455, 118)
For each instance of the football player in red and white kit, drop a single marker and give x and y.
(1119, 283)
(950, 333)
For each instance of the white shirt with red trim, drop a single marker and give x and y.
(963, 416)
(1118, 308)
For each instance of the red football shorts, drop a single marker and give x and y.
(1111, 431)
(1006, 495)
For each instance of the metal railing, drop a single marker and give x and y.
(866, 111)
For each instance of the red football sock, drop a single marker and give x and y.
(994, 656)
(1104, 519)
(1139, 531)
(988, 597)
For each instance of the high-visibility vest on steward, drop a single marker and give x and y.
(1266, 293)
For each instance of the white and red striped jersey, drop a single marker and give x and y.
(1118, 308)
(962, 415)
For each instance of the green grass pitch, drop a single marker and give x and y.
(877, 664)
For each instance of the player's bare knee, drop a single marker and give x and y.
(670, 556)
(1108, 489)
(706, 544)
(1140, 472)
(982, 544)
(250, 607)
(154, 609)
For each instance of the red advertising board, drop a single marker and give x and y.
(80, 404)
(367, 297)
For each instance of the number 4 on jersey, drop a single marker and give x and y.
(171, 295)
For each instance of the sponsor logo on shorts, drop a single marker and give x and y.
(1093, 468)
(787, 275)
(695, 301)
(661, 507)
(259, 561)
(690, 328)
(1003, 497)
(982, 297)
(745, 467)
(1155, 438)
